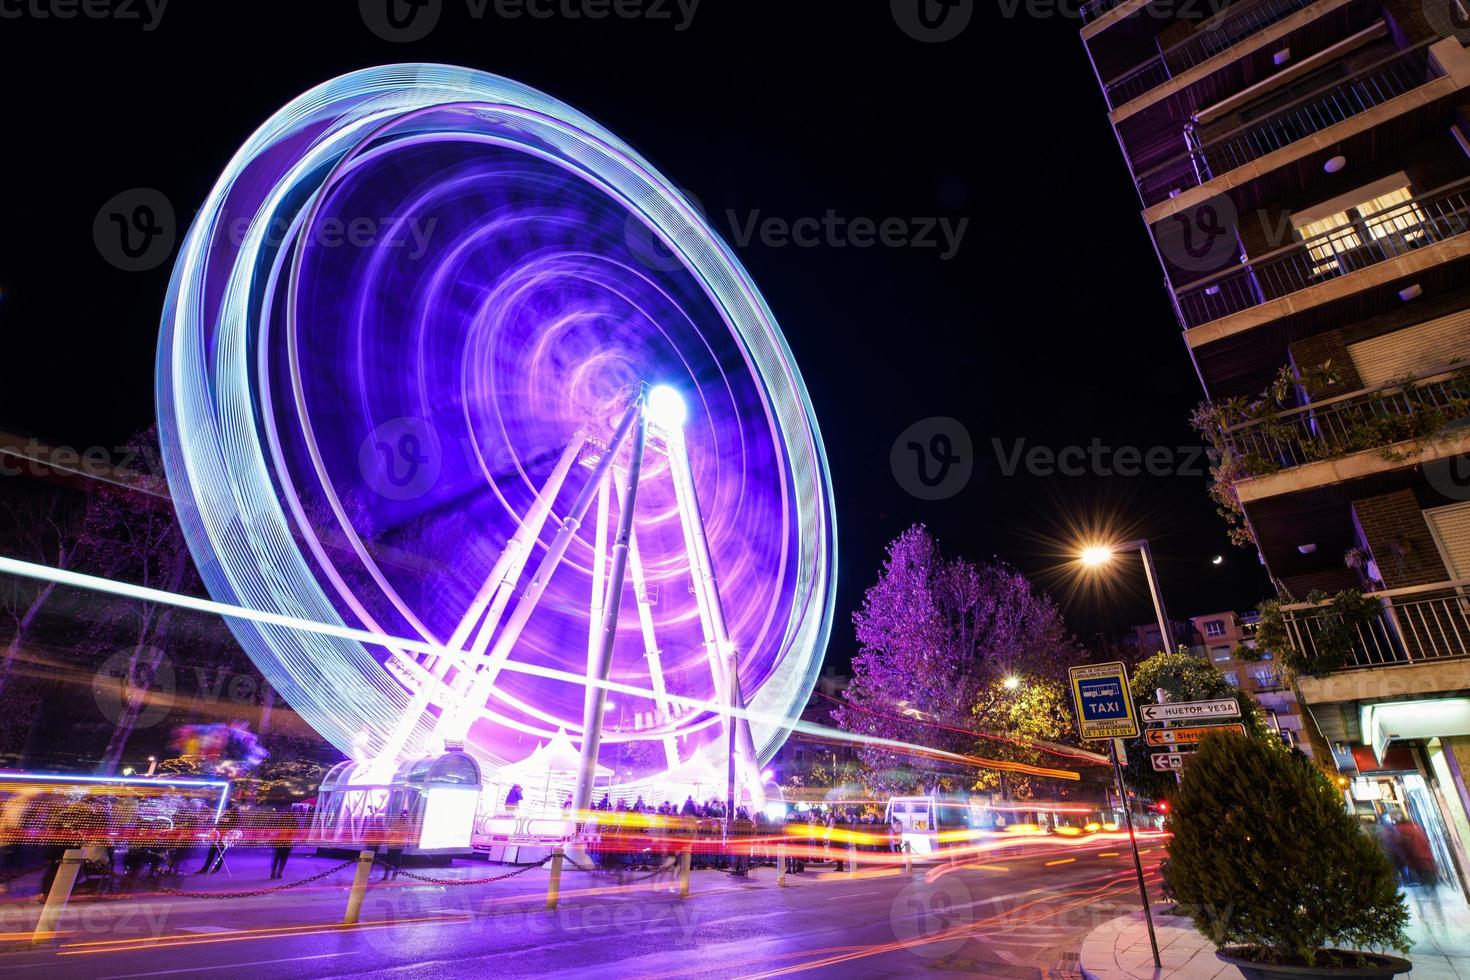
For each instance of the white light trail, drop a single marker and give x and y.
(128, 590)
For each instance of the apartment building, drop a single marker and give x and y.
(1303, 169)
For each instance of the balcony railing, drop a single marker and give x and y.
(1421, 624)
(1424, 220)
(1402, 72)
(1368, 419)
(1227, 29)
(1094, 9)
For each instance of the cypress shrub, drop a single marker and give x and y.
(1265, 855)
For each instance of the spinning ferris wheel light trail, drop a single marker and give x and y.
(557, 448)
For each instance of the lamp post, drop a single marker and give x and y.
(1097, 555)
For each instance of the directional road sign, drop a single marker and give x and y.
(1169, 761)
(1188, 736)
(1191, 710)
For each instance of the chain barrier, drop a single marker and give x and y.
(463, 881)
(620, 872)
(580, 867)
(178, 893)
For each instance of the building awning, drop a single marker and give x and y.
(1395, 721)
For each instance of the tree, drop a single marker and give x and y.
(1182, 677)
(40, 526)
(1031, 712)
(135, 537)
(937, 638)
(1265, 855)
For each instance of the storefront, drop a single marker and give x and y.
(1416, 811)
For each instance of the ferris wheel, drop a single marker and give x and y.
(445, 361)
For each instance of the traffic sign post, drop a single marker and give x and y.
(1148, 915)
(1104, 706)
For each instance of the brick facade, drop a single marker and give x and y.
(1311, 352)
(1399, 539)
(1331, 581)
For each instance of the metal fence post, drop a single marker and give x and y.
(686, 861)
(60, 893)
(553, 884)
(781, 865)
(851, 860)
(360, 880)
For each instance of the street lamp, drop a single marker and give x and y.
(1011, 683)
(1099, 555)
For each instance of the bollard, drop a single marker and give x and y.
(686, 861)
(553, 884)
(851, 860)
(781, 865)
(60, 893)
(360, 880)
(908, 858)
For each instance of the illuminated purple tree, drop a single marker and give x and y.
(135, 537)
(938, 637)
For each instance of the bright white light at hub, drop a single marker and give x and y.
(1096, 555)
(666, 408)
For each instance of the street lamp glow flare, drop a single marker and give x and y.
(1098, 554)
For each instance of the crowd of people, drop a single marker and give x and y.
(146, 844)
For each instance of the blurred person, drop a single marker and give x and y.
(1417, 856)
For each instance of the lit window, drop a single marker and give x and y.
(1385, 210)
(1331, 236)
(1215, 627)
(1385, 219)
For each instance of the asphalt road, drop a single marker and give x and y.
(1014, 916)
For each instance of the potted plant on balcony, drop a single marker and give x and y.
(1329, 641)
(1273, 869)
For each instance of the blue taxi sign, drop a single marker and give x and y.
(1103, 702)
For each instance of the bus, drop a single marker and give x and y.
(929, 824)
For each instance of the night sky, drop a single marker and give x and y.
(1050, 323)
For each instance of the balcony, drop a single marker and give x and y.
(1369, 419)
(1094, 9)
(1233, 25)
(1417, 625)
(1327, 106)
(1422, 221)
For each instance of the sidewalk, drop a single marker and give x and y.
(275, 905)
(1119, 950)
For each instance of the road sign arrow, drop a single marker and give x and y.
(1191, 710)
(1168, 761)
(1188, 736)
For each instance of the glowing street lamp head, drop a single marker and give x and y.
(1098, 554)
(1011, 683)
(666, 408)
